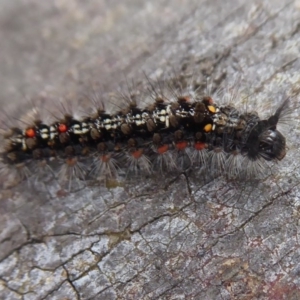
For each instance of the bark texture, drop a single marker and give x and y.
(173, 239)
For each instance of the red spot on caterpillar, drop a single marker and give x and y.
(184, 99)
(62, 128)
(105, 158)
(181, 145)
(208, 100)
(137, 154)
(199, 146)
(30, 133)
(71, 161)
(163, 149)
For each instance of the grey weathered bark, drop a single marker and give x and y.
(177, 240)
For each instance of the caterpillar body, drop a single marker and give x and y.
(174, 132)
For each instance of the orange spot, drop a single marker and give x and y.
(199, 146)
(211, 109)
(207, 128)
(163, 149)
(181, 145)
(62, 128)
(184, 98)
(105, 158)
(30, 133)
(71, 161)
(137, 154)
(210, 100)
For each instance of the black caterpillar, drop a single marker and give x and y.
(169, 134)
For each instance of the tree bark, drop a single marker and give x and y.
(179, 238)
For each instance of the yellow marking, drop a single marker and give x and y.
(208, 128)
(211, 109)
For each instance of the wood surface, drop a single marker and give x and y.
(176, 238)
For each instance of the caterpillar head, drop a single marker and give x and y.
(272, 145)
(265, 140)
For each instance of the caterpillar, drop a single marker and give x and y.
(180, 129)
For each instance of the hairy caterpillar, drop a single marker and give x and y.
(180, 129)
